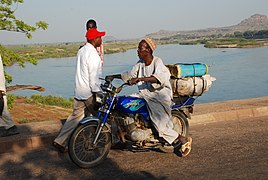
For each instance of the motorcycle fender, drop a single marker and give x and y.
(88, 119)
(185, 111)
(106, 127)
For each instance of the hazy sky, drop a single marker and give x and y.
(127, 18)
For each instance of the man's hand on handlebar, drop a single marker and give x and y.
(133, 81)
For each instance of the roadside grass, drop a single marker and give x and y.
(51, 100)
(38, 99)
(10, 100)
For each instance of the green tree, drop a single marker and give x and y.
(9, 22)
(248, 34)
(238, 34)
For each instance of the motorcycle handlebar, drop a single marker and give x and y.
(109, 87)
(119, 89)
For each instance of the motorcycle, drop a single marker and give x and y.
(123, 119)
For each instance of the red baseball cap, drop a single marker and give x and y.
(94, 33)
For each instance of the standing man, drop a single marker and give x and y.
(86, 86)
(5, 118)
(92, 24)
(89, 25)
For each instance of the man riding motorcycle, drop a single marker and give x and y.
(152, 78)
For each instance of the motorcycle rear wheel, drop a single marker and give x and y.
(81, 149)
(180, 123)
(181, 126)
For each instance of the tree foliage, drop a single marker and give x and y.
(9, 22)
(262, 34)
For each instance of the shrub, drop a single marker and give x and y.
(51, 100)
(10, 100)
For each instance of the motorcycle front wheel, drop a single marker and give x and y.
(81, 149)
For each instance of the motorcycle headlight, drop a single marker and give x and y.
(108, 87)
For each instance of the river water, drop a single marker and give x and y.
(241, 72)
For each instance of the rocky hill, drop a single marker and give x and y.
(256, 22)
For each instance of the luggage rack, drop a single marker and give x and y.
(183, 101)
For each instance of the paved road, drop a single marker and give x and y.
(232, 149)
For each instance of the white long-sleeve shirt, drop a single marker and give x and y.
(88, 71)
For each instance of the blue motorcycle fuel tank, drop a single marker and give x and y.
(131, 105)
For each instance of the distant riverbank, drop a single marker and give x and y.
(228, 43)
(59, 50)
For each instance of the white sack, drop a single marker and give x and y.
(194, 86)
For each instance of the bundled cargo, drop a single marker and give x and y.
(181, 70)
(191, 86)
(190, 79)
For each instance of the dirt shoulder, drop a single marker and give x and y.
(23, 112)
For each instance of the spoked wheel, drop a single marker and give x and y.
(181, 125)
(81, 149)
